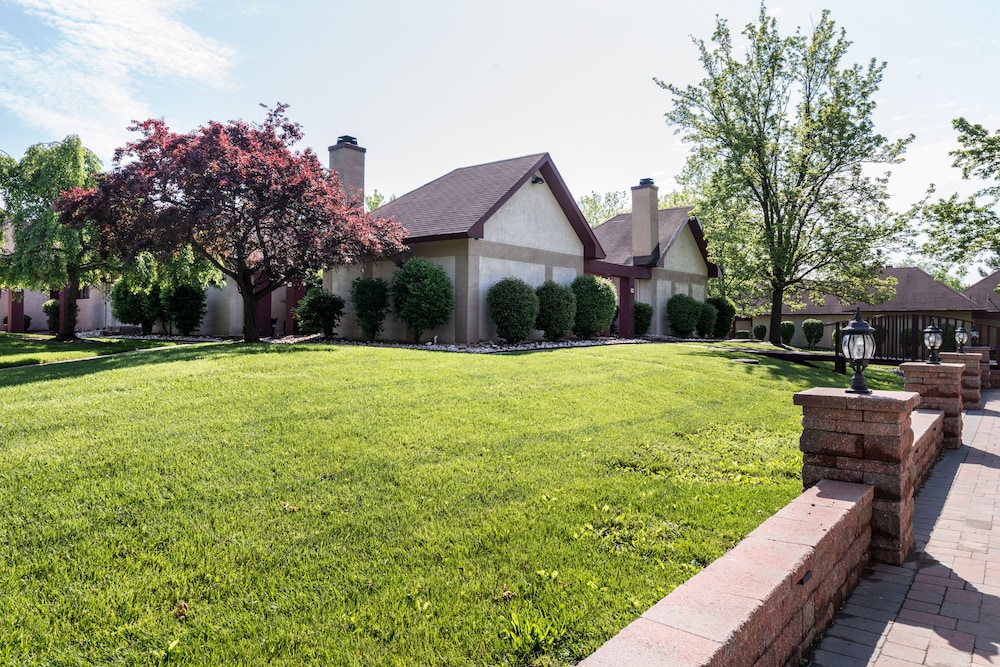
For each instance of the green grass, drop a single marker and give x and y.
(355, 506)
(30, 349)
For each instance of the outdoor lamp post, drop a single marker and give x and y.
(974, 335)
(932, 341)
(858, 345)
(961, 337)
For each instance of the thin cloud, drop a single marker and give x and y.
(85, 82)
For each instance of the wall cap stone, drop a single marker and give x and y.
(878, 400)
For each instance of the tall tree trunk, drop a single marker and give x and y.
(250, 333)
(774, 331)
(67, 325)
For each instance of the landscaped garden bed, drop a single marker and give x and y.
(317, 504)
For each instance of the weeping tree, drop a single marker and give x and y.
(784, 141)
(44, 254)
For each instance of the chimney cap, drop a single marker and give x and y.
(645, 181)
(347, 139)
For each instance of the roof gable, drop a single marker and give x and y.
(615, 236)
(458, 204)
(984, 292)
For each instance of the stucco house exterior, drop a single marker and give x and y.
(516, 217)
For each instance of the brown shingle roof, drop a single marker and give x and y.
(983, 293)
(458, 204)
(916, 291)
(615, 236)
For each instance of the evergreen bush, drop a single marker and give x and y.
(27, 322)
(422, 295)
(556, 310)
(786, 331)
(370, 298)
(184, 307)
(514, 307)
(760, 332)
(643, 318)
(320, 310)
(813, 331)
(707, 316)
(683, 313)
(51, 310)
(133, 306)
(726, 310)
(595, 305)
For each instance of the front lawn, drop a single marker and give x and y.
(342, 505)
(29, 349)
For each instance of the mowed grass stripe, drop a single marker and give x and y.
(351, 505)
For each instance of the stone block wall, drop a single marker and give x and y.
(940, 388)
(986, 380)
(971, 377)
(793, 572)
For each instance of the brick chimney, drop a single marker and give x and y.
(348, 160)
(645, 218)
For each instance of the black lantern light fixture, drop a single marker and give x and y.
(932, 341)
(974, 335)
(961, 337)
(858, 345)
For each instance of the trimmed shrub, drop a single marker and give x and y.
(556, 310)
(760, 332)
(184, 307)
(813, 331)
(51, 310)
(726, 315)
(370, 298)
(683, 313)
(643, 318)
(422, 295)
(786, 331)
(595, 305)
(514, 308)
(743, 334)
(320, 310)
(706, 319)
(27, 322)
(133, 306)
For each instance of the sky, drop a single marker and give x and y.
(430, 86)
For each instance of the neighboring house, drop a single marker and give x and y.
(916, 293)
(984, 293)
(517, 218)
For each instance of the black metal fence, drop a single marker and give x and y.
(900, 337)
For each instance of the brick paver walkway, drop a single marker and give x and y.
(941, 607)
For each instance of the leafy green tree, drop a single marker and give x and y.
(967, 230)
(783, 139)
(44, 254)
(422, 295)
(376, 199)
(598, 208)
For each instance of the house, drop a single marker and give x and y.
(517, 217)
(917, 298)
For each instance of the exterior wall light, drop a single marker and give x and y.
(932, 341)
(858, 346)
(961, 337)
(974, 335)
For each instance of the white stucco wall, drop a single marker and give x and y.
(532, 218)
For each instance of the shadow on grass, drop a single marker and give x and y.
(76, 368)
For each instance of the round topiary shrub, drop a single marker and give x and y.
(556, 310)
(786, 331)
(595, 305)
(51, 310)
(706, 319)
(683, 313)
(513, 307)
(813, 331)
(743, 334)
(760, 332)
(184, 306)
(370, 298)
(422, 295)
(726, 310)
(320, 310)
(643, 318)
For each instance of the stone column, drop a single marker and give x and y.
(971, 379)
(940, 388)
(865, 439)
(984, 363)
